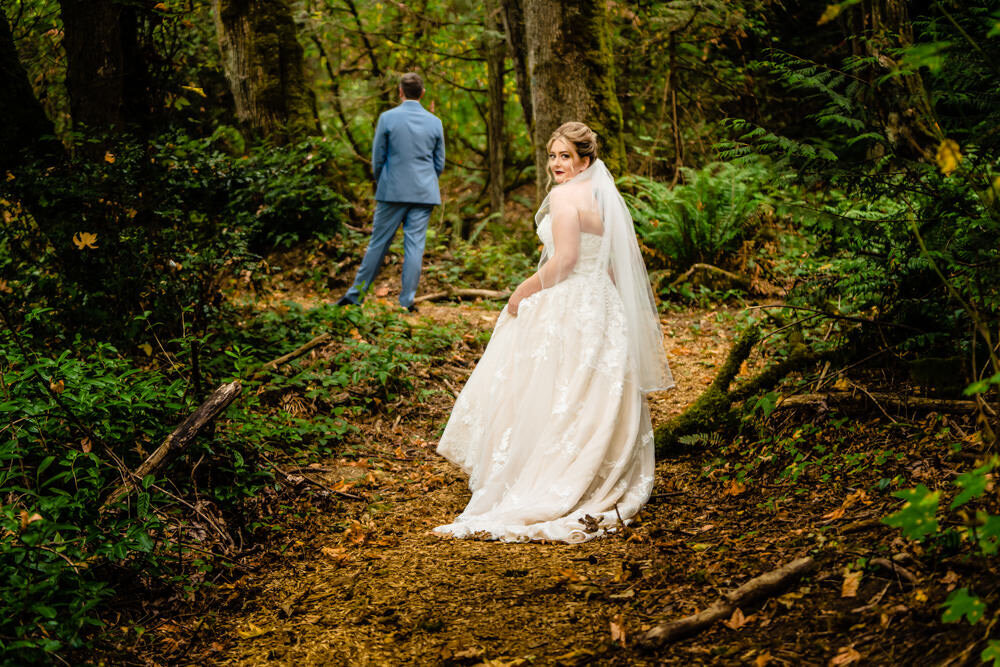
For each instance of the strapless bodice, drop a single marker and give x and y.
(590, 246)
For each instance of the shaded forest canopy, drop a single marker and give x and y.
(185, 187)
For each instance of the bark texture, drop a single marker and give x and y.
(263, 61)
(571, 70)
(513, 25)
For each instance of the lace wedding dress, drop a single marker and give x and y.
(552, 426)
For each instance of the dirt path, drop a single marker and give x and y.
(376, 587)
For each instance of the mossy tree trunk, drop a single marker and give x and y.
(570, 67)
(263, 61)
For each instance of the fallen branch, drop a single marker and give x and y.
(177, 441)
(757, 588)
(734, 277)
(895, 568)
(462, 294)
(294, 354)
(851, 400)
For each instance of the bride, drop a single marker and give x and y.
(552, 426)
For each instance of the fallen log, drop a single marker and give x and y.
(294, 354)
(860, 401)
(764, 586)
(462, 294)
(177, 441)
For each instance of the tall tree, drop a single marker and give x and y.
(495, 104)
(263, 61)
(569, 62)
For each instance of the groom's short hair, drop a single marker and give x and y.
(412, 85)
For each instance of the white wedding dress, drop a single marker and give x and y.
(552, 426)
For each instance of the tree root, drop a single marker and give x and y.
(714, 409)
(763, 586)
(848, 400)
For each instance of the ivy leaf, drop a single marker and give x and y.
(988, 533)
(960, 604)
(917, 516)
(973, 483)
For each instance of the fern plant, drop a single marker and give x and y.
(704, 220)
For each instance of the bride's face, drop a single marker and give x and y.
(564, 163)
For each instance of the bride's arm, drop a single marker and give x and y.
(566, 251)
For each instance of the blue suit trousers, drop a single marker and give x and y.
(388, 217)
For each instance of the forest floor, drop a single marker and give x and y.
(359, 579)
(365, 582)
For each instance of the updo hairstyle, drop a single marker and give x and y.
(581, 136)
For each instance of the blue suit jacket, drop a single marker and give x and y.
(408, 155)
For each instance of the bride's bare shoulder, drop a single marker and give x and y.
(569, 194)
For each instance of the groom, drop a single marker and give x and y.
(407, 158)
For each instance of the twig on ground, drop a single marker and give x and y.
(463, 294)
(763, 586)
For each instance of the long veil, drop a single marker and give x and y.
(620, 255)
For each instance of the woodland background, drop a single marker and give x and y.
(170, 171)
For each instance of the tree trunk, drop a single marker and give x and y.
(25, 124)
(263, 61)
(494, 69)
(517, 46)
(571, 70)
(106, 73)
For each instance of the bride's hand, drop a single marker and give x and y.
(515, 300)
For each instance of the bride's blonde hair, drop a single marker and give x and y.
(582, 137)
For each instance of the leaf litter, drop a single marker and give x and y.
(365, 582)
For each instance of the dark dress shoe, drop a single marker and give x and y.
(412, 308)
(344, 301)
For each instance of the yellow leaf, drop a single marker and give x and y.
(147, 348)
(161, 6)
(195, 89)
(948, 156)
(830, 13)
(919, 595)
(85, 240)
(10, 176)
(763, 659)
(851, 582)
(4, 287)
(252, 631)
(109, 157)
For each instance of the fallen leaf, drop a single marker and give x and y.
(734, 488)
(845, 656)
(851, 582)
(147, 348)
(86, 445)
(195, 89)
(382, 291)
(835, 514)
(736, 621)
(252, 631)
(763, 659)
(109, 157)
(618, 630)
